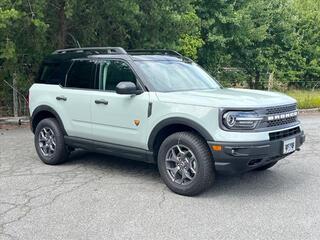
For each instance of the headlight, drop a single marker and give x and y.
(238, 120)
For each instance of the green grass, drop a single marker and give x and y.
(306, 99)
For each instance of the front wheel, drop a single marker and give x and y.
(49, 142)
(185, 163)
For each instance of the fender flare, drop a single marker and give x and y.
(46, 108)
(177, 120)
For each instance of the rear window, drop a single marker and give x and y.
(53, 73)
(81, 75)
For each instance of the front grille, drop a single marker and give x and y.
(277, 112)
(283, 134)
(281, 109)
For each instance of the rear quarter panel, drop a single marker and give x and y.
(44, 94)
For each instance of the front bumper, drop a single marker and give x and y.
(238, 157)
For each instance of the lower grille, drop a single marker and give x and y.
(283, 134)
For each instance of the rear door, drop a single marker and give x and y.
(75, 98)
(119, 119)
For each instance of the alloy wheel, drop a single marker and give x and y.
(181, 164)
(47, 141)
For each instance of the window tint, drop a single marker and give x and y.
(113, 72)
(53, 73)
(81, 75)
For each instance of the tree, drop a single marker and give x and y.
(256, 37)
(308, 31)
(245, 43)
(19, 26)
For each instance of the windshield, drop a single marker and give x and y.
(168, 76)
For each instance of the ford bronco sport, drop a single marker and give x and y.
(158, 106)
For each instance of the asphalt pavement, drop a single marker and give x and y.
(94, 196)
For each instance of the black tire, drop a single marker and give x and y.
(265, 167)
(60, 153)
(205, 172)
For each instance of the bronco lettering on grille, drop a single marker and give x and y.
(282, 116)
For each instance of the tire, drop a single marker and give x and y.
(265, 167)
(194, 154)
(49, 142)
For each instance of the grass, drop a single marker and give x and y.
(306, 99)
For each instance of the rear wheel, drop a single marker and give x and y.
(49, 142)
(185, 163)
(265, 167)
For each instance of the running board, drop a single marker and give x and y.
(110, 149)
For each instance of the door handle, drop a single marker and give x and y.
(61, 98)
(101, 101)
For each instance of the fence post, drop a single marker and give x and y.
(15, 95)
(270, 81)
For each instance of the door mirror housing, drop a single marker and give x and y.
(128, 88)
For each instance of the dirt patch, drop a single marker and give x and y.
(11, 126)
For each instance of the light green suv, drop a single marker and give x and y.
(160, 107)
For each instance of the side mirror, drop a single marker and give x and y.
(127, 88)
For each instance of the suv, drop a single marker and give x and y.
(159, 107)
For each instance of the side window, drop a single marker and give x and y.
(114, 71)
(53, 73)
(81, 75)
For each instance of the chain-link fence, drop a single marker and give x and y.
(9, 95)
(233, 79)
(6, 109)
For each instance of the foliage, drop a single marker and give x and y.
(306, 99)
(242, 43)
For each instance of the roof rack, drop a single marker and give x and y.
(154, 51)
(118, 50)
(92, 50)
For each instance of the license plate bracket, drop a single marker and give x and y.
(289, 146)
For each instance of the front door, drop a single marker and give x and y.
(119, 119)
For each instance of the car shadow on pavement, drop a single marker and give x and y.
(115, 165)
(256, 183)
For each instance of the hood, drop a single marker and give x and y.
(227, 97)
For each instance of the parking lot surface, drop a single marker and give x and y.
(95, 196)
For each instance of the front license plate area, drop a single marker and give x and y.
(289, 146)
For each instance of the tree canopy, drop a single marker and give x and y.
(239, 42)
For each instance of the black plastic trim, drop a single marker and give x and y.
(46, 108)
(235, 157)
(111, 149)
(149, 109)
(177, 120)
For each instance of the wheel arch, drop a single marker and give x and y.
(42, 112)
(175, 124)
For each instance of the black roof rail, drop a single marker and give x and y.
(154, 51)
(92, 50)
